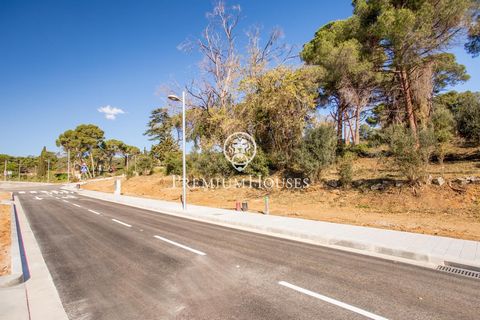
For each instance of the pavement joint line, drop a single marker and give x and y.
(76, 205)
(93, 211)
(180, 245)
(122, 223)
(332, 301)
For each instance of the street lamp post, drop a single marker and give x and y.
(184, 162)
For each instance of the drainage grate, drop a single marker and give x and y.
(460, 271)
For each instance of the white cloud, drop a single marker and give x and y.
(110, 112)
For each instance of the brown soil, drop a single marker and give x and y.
(5, 240)
(428, 209)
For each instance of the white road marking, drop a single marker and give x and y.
(34, 192)
(76, 205)
(180, 245)
(38, 198)
(332, 301)
(55, 191)
(93, 211)
(21, 192)
(43, 191)
(66, 201)
(122, 223)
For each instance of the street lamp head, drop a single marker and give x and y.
(174, 98)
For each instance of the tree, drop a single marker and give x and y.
(128, 152)
(473, 44)
(410, 35)
(277, 108)
(82, 142)
(160, 128)
(112, 148)
(213, 97)
(90, 138)
(42, 163)
(349, 80)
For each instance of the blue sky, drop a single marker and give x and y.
(62, 60)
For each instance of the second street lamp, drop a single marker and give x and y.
(184, 165)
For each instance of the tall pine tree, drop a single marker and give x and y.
(42, 163)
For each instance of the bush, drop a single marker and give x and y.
(144, 165)
(130, 172)
(467, 115)
(345, 168)
(316, 152)
(361, 150)
(173, 163)
(443, 127)
(210, 164)
(259, 165)
(410, 159)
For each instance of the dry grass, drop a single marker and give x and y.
(5, 240)
(5, 196)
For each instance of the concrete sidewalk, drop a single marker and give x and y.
(419, 249)
(29, 292)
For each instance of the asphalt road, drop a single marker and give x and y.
(110, 261)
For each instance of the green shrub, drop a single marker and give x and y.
(173, 163)
(467, 114)
(209, 164)
(361, 150)
(345, 168)
(130, 173)
(409, 158)
(316, 152)
(443, 125)
(259, 165)
(144, 165)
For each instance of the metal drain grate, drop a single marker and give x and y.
(460, 271)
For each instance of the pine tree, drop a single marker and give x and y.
(42, 163)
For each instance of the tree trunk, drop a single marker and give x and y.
(93, 165)
(409, 105)
(340, 124)
(356, 140)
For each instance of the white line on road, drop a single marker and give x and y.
(181, 245)
(38, 198)
(65, 201)
(33, 192)
(92, 211)
(76, 205)
(122, 223)
(21, 192)
(332, 301)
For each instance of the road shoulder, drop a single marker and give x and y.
(42, 296)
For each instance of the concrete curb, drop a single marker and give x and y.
(388, 249)
(16, 274)
(42, 296)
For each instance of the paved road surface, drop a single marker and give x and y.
(110, 261)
